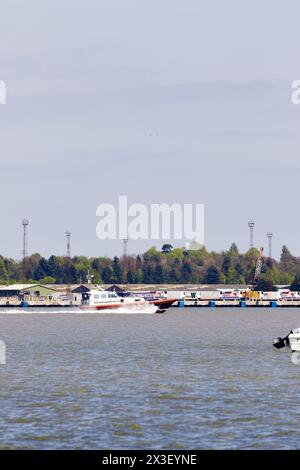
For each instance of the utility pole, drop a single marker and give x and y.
(251, 225)
(68, 264)
(270, 235)
(68, 238)
(125, 241)
(25, 223)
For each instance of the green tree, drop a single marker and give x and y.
(231, 277)
(48, 280)
(288, 262)
(159, 276)
(173, 276)
(147, 274)
(4, 275)
(107, 275)
(233, 250)
(117, 270)
(226, 264)
(213, 275)
(186, 272)
(138, 276)
(295, 285)
(265, 285)
(166, 248)
(130, 277)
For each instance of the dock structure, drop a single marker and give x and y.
(198, 304)
(33, 295)
(239, 299)
(205, 296)
(190, 303)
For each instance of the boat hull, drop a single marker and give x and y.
(294, 342)
(161, 306)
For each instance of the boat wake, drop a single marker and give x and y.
(36, 311)
(126, 310)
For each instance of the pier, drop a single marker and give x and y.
(191, 296)
(180, 303)
(191, 303)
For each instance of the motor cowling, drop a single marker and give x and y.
(281, 342)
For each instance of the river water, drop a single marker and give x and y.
(193, 378)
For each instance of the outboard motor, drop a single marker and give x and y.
(282, 342)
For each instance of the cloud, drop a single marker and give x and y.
(161, 101)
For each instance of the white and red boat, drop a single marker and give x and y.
(106, 302)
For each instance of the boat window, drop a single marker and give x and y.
(112, 295)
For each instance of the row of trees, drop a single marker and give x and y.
(156, 267)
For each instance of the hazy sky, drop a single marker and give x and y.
(164, 101)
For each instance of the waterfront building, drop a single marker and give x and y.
(27, 290)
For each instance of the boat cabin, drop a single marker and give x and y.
(96, 297)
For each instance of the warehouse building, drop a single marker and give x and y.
(28, 290)
(77, 293)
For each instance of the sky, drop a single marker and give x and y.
(165, 101)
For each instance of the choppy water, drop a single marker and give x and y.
(193, 378)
